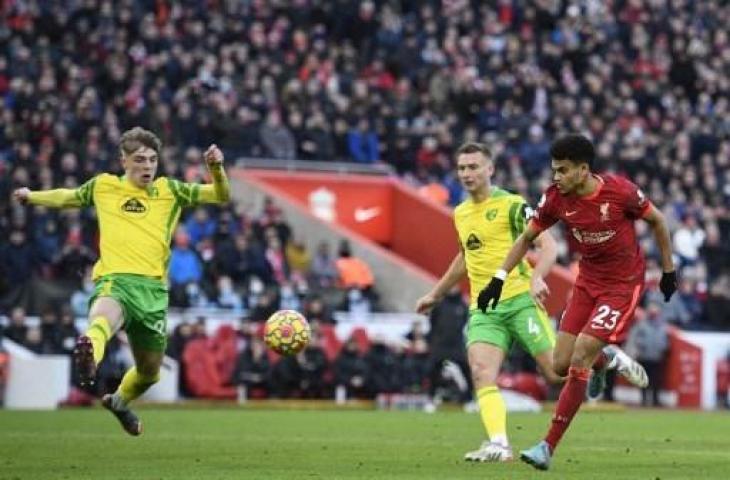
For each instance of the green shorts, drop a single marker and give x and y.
(144, 305)
(515, 319)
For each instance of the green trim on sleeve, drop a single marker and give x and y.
(173, 188)
(85, 193)
(181, 192)
(517, 225)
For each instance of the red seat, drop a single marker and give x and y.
(225, 349)
(202, 376)
(4, 367)
(529, 384)
(330, 342)
(361, 338)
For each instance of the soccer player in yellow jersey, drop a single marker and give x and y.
(487, 224)
(137, 215)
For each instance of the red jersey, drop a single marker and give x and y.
(601, 227)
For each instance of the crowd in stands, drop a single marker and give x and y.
(398, 82)
(395, 82)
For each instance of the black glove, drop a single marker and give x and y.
(668, 284)
(490, 293)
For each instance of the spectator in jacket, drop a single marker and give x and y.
(276, 138)
(414, 367)
(252, 368)
(243, 259)
(313, 363)
(74, 259)
(649, 339)
(323, 269)
(355, 276)
(688, 239)
(185, 270)
(17, 261)
(17, 330)
(301, 374)
(362, 143)
(50, 330)
(200, 225)
(446, 339)
(351, 370)
(382, 366)
(67, 331)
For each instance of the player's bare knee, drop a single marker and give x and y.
(561, 363)
(582, 358)
(584, 353)
(555, 377)
(110, 309)
(482, 375)
(560, 367)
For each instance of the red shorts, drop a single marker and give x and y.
(605, 315)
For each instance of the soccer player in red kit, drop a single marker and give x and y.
(599, 212)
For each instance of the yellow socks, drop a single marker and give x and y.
(493, 413)
(134, 384)
(99, 332)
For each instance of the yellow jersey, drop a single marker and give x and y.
(486, 232)
(136, 225)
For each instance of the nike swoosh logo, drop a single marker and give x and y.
(568, 214)
(363, 215)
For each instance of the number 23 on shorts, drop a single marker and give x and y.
(605, 318)
(611, 320)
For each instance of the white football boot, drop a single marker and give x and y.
(490, 452)
(627, 367)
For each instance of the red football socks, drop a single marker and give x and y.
(571, 397)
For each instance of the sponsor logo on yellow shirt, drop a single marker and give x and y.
(135, 207)
(473, 242)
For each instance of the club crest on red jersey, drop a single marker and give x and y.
(604, 211)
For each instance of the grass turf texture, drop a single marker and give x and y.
(259, 444)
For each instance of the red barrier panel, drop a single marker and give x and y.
(683, 371)
(423, 232)
(360, 203)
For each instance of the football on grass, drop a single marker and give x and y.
(287, 332)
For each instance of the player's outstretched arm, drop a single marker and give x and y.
(658, 224)
(491, 293)
(455, 272)
(547, 254)
(219, 191)
(56, 198)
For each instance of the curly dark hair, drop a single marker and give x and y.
(575, 148)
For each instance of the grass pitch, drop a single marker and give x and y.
(237, 443)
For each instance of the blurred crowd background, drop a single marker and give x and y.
(396, 82)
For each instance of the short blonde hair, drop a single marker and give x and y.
(474, 147)
(137, 137)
